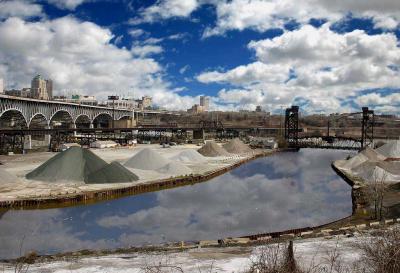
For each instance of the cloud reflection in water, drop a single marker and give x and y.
(285, 191)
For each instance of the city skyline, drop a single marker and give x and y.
(239, 53)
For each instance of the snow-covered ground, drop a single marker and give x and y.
(308, 252)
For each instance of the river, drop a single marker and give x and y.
(279, 192)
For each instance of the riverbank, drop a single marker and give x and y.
(230, 257)
(35, 194)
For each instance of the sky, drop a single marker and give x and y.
(325, 56)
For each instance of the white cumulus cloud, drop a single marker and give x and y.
(314, 66)
(22, 9)
(80, 57)
(67, 4)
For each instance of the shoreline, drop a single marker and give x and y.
(94, 196)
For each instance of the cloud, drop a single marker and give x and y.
(310, 63)
(146, 50)
(80, 57)
(261, 15)
(165, 9)
(248, 74)
(67, 4)
(184, 69)
(22, 9)
(136, 32)
(376, 99)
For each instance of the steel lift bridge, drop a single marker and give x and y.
(297, 139)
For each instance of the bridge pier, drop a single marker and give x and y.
(47, 137)
(27, 142)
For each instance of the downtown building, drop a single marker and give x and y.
(41, 89)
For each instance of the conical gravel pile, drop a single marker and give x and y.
(175, 168)
(236, 146)
(390, 150)
(212, 149)
(72, 165)
(355, 161)
(111, 173)
(372, 154)
(189, 156)
(374, 172)
(146, 159)
(6, 177)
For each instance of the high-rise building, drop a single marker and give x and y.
(49, 88)
(41, 89)
(205, 102)
(146, 102)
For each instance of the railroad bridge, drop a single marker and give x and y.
(29, 109)
(295, 140)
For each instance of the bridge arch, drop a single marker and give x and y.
(102, 120)
(19, 113)
(124, 116)
(36, 115)
(83, 121)
(65, 119)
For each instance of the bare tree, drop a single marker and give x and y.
(381, 254)
(376, 190)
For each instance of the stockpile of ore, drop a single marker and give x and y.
(390, 150)
(82, 166)
(175, 168)
(190, 156)
(147, 159)
(236, 146)
(6, 177)
(212, 149)
(112, 173)
(381, 164)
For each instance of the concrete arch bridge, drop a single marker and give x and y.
(26, 111)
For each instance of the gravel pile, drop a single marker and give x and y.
(236, 146)
(7, 178)
(372, 154)
(146, 159)
(212, 149)
(112, 173)
(390, 149)
(355, 161)
(374, 171)
(72, 165)
(82, 166)
(189, 156)
(175, 168)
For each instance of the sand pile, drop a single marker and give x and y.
(236, 146)
(372, 154)
(112, 173)
(373, 171)
(175, 168)
(190, 156)
(212, 149)
(390, 150)
(83, 166)
(146, 159)
(355, 161)
(6, 177)
(72, 165)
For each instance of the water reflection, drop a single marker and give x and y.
(285, 191)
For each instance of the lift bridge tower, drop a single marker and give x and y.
(292, 126)
(367, 128)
